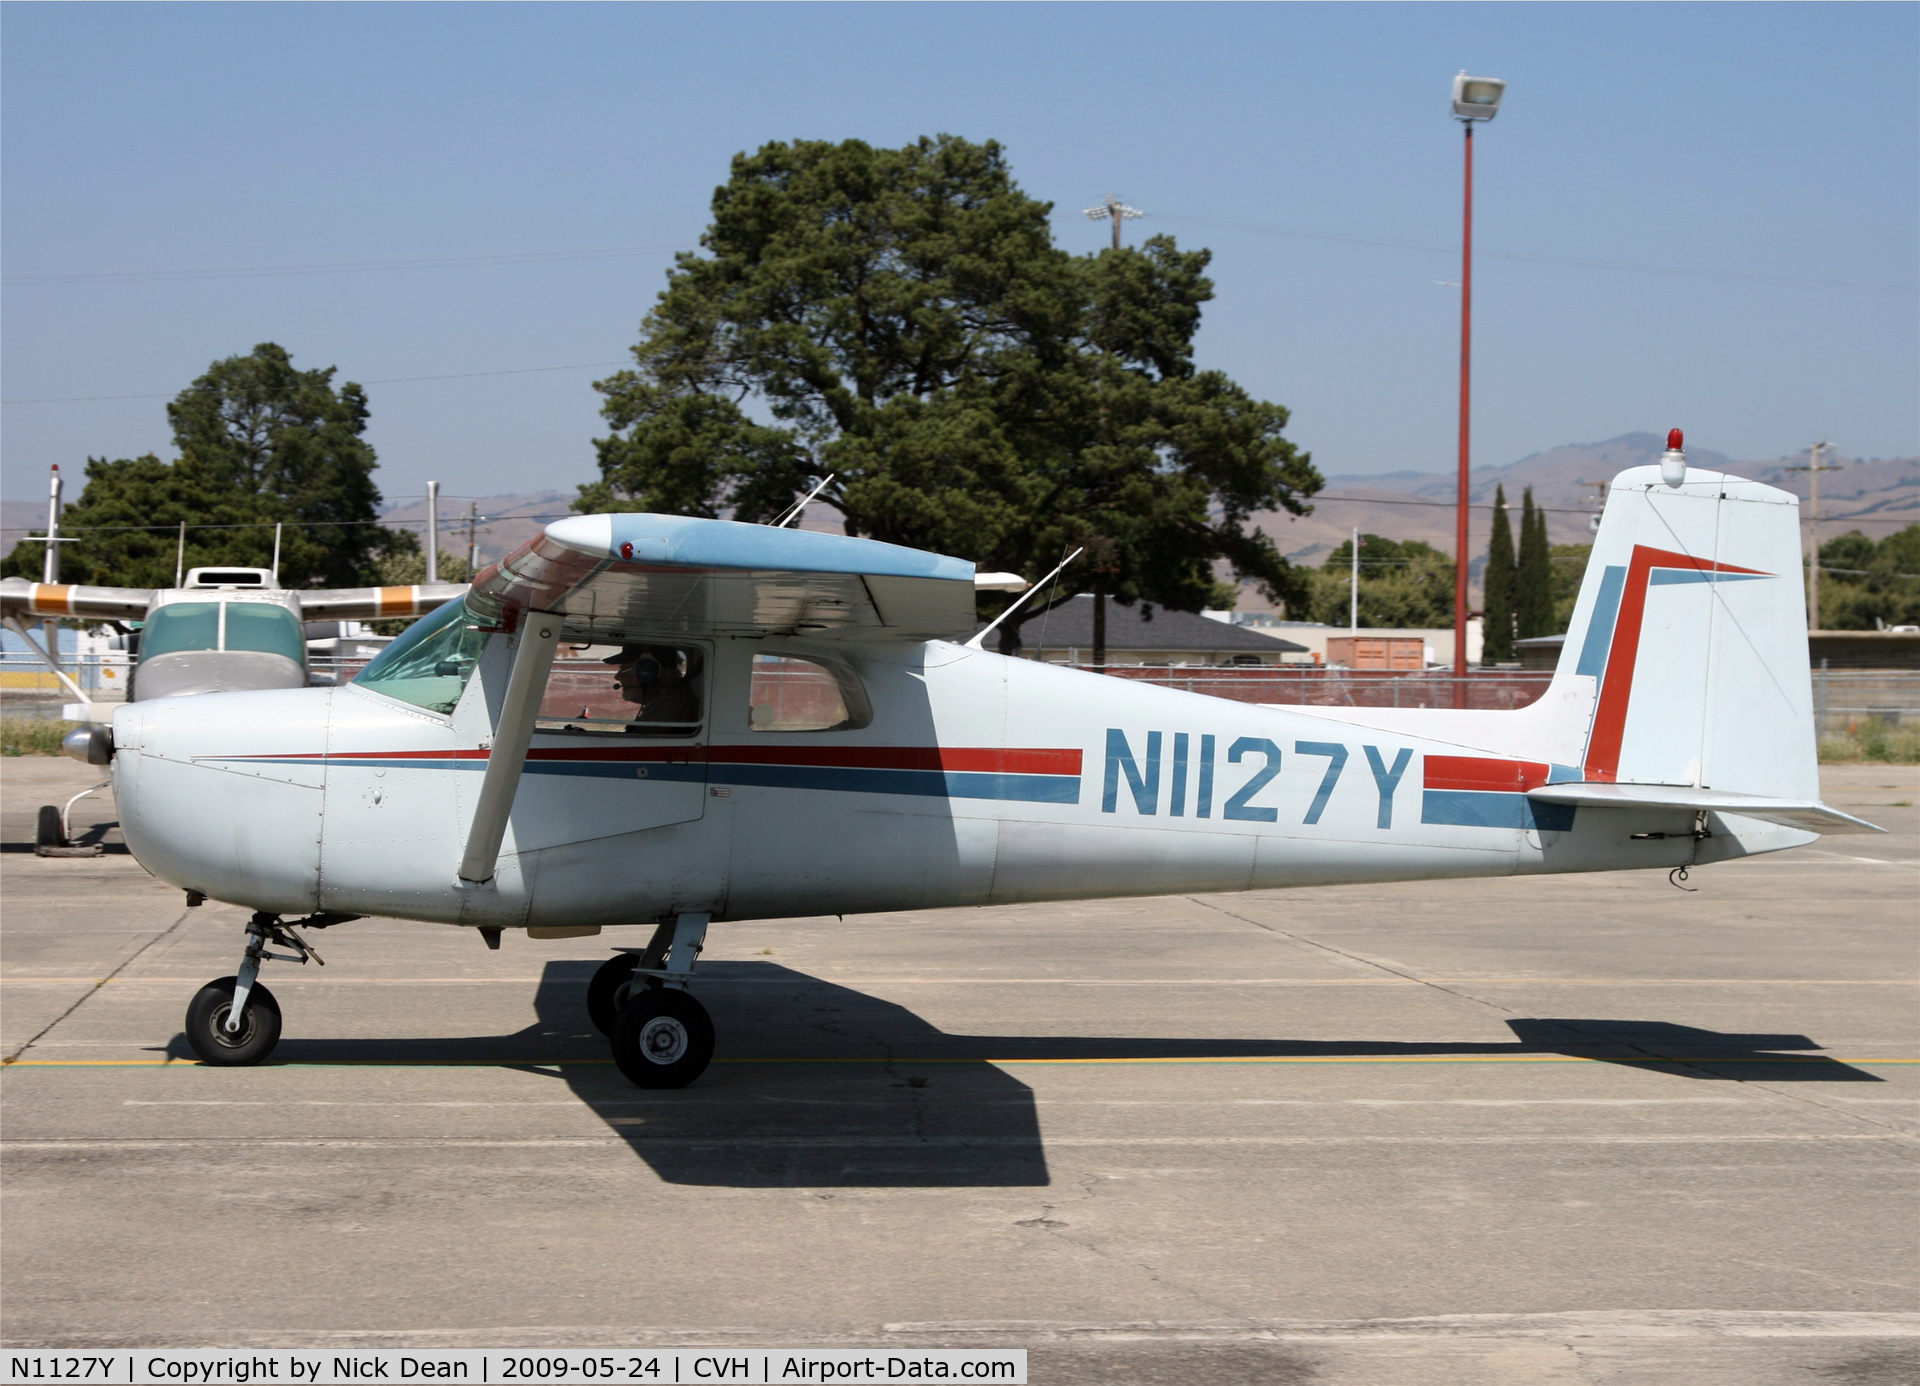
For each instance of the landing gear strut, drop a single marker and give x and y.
(234, 1020)
(662, 1037)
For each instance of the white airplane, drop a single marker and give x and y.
(223, 630)
(802, 727)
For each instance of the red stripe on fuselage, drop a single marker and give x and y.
(1480, 773)
(977, 760)
(960, 759)
(1616, 688)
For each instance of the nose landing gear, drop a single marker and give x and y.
(233, 1021)
(662, 1037)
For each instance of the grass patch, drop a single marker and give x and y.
(1873, 741)
(32, 736)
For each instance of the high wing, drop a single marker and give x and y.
(20, 598)
(1807, 814)
(375, 603)
(617, 576)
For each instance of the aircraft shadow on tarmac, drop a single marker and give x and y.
(816, 1084)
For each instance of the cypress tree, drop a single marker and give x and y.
(1533, 578)
(1496, 644)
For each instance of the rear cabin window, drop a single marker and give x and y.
(431, 661)
(791, 694)
(626, 690)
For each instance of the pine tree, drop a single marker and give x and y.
(900, 320)
(1533, 577)
(1496, 645)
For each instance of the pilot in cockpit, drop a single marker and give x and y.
(656, 677)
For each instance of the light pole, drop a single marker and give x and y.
(1474, 98)
(1114, 208)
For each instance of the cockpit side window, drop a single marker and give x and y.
(430, 663)
(181, 626)
(790, 693)
(265, 628)
(637, 689)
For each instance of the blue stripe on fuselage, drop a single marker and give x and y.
(933, 784)
(1463, 808)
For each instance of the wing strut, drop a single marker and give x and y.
(14, 625)
(526, 683)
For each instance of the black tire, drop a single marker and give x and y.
(207, 1015)
(603, 992)
(664, 1039)
(47, 833)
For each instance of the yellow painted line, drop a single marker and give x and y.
(716, 980)
(912, 1062)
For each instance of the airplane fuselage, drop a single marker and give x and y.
(979, 780)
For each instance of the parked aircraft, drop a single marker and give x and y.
(831, 748)
(222, 630)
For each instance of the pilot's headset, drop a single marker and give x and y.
(647, 667)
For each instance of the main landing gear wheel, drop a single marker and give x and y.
(663, 1039)
(207, 1024)
(49, 831)
(603, 992)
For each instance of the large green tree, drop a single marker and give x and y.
(1404, 584)
(261, 443)
(1862, 581)
(1497, 584)
(901, 320)
(1533, 573)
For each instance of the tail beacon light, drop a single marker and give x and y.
(1673, 462)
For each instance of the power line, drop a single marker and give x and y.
(1575, 261)
(529, 257)
(262, 524)
(545, 257)
(389, 380)
(1863, 517)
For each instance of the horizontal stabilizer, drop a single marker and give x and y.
(1808, 815)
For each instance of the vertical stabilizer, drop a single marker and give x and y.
(1692, 626)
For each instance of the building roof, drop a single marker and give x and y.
(1142, 626)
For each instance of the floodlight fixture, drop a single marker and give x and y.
(1115, 210)
(1477, 98)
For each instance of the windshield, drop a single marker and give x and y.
(266, 628)
(181, 626)
(431, 661)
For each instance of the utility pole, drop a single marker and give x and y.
(1353, 586)
(1115, 209)
(433, 531)
(50, 567)
(473, 551)
(1813, 470)
(1600, 500)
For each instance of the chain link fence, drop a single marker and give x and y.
(1842, 698)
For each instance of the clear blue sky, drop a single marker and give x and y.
(1777, 142)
